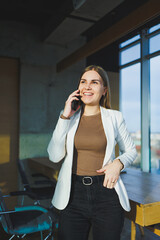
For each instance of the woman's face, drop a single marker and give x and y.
(91, 88)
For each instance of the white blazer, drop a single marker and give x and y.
(61, 147)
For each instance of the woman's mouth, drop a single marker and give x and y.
(87, 94)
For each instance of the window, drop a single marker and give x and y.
(154, 28)
(126, 43)
(130, 104)
(130, 91)
(154, 43)
(139, 95)
(130, 54)
(155, 112)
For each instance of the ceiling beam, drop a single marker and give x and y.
(63, 9)
(137, 18)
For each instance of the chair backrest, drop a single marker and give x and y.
(22, 174)
(4, 218)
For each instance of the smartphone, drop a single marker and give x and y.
(76, 103)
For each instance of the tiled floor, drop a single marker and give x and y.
(125, 234)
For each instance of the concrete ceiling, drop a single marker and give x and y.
(62, 21)
(81, 19)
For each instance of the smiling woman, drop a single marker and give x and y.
(89, 188)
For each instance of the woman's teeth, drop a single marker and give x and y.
(88, 94)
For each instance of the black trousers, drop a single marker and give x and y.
(91, 204)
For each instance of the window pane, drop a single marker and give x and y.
(130, 104)
(154, 43)
(131, 40)
(130, 54)
(155, 112)
(152, 29)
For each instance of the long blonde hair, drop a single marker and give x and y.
(105, 100)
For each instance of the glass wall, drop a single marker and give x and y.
(155, 112)
(130, 104)
(131, 100)
(130, 54)
(130, 90)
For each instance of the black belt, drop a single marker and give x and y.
(88, 180)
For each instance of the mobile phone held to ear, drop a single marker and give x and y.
(76, 103)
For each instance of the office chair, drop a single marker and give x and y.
(38, 192)
(27, 220)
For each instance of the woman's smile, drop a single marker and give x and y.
(87, 94)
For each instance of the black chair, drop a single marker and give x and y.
(36, 193)
(27, 220)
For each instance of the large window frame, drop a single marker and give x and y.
(144, 59)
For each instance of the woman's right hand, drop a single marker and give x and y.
(68, 111)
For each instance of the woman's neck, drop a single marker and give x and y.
(91, 110)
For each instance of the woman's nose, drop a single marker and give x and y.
(88, 86)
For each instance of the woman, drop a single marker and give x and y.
(89, 190)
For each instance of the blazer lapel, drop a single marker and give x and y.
(109, 131)
(71, 133)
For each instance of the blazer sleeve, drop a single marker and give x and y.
(125, 142)
(57, 145)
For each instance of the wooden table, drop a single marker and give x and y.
(144, 194)
(143, 191)
(44, 166)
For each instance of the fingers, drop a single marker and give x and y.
(109, 182)
(74, 98)
(74, 94)
(112, 172)
(102, 170)
(68, 111)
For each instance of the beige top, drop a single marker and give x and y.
(90, 145)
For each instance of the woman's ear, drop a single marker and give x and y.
(105, 91)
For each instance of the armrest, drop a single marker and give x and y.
(31, 208)
(25, 208)
(15, 193)
(39, 175)
(49, 182)
(6, 212)
(22, 193)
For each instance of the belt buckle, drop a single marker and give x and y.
(90, 183)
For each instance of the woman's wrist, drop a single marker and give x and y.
(64, 117)
(119, 163)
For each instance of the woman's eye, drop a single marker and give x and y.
(82, 81)
(95, 82)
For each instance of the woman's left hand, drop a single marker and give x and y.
(112, 172)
